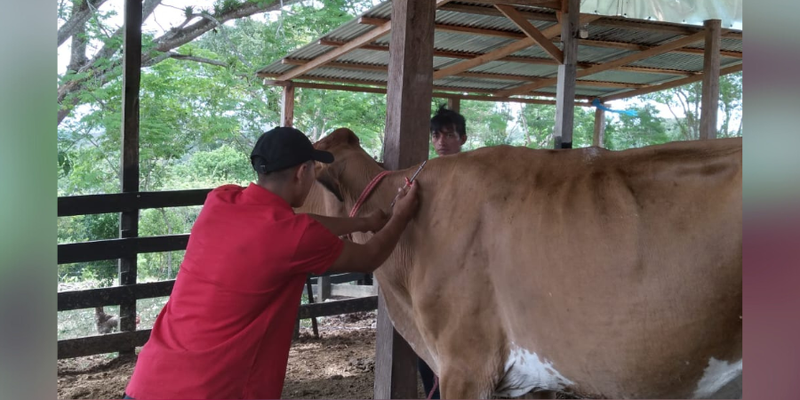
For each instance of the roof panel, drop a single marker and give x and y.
(477, 43)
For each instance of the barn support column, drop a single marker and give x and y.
(710, 101)
(287, 105)
(129, 171)
(599, 127)
(454, 103)
(567, 70)
(408, 106)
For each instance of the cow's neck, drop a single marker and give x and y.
(356, 177)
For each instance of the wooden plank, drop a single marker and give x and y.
(599, 127)
(129, 175)
(683, 42)
(436, 94)
(121, 202)
(101, 344)
(348, 290)
(453, 54)
(408, 106)
(78, 299)
(118, 248)
(115, 341)
(710, 100)
(531, 31)
(338, 307)
(454, 103)
(324, 288)
(504, 51)
(493, 12)
(668, 85)
(454, 29)
(553, 4)
(565, 89)
(287, 105)
(376, 33)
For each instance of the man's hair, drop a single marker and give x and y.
(448, 119)
(281, 175)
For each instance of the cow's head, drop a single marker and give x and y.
(345, 147)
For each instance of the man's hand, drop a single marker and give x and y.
(407, 202)
(375, 221)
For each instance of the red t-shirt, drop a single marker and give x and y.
(226, 330)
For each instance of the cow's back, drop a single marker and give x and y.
(621, 269)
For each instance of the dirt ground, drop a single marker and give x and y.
(338, 365)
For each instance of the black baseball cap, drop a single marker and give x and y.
(284, 147)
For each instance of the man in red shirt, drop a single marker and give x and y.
(226, 330)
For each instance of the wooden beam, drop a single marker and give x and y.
(445, 95)
(129, 174)
(454, 28)
(531, 31)
(101, 344)
(113, 342)
(599, 127)
(482, 75)
(524, 60)
(668, 85)
(350, 46)
(408, 106)
(454, 104)
(710, 100)
(609, 65)
(111, 249)
(338, 307)
(78, 299)
(565, 89)
(553, 4)
(493, 12)
(119, 202)
(503, 51)
(287, 105)
(337, 52)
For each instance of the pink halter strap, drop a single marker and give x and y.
(367, 191)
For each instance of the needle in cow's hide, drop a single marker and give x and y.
(408, 182)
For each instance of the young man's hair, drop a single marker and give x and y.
(449, 120)
(279, 176)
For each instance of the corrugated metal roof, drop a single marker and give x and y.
(493, 30)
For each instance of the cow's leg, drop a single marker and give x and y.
(463, 386)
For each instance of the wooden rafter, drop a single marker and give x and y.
(375, 33)
(676, 44)
(553, 4)
(531, 31)
(668, 85)
(445, 95)
(516, 35)
(524, 60)
(618, 22)
(504, 51)
(480, 75)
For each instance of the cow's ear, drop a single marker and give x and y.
(326, 177)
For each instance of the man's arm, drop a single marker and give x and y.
(342, 226)
(369, 256)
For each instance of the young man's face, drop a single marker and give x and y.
(447, 141)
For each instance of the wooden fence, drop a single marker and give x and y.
(127, 247)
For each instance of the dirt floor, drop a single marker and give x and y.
(338, 365)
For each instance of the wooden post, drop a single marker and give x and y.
(454, 103)
(565, 89)
(287, 105)
(324, 288)
(710, 102)
(409, 94)
(129, 174)
(599, 127)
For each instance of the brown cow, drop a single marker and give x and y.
(593, 272)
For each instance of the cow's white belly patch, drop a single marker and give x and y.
(717, 374)
(526, 371)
